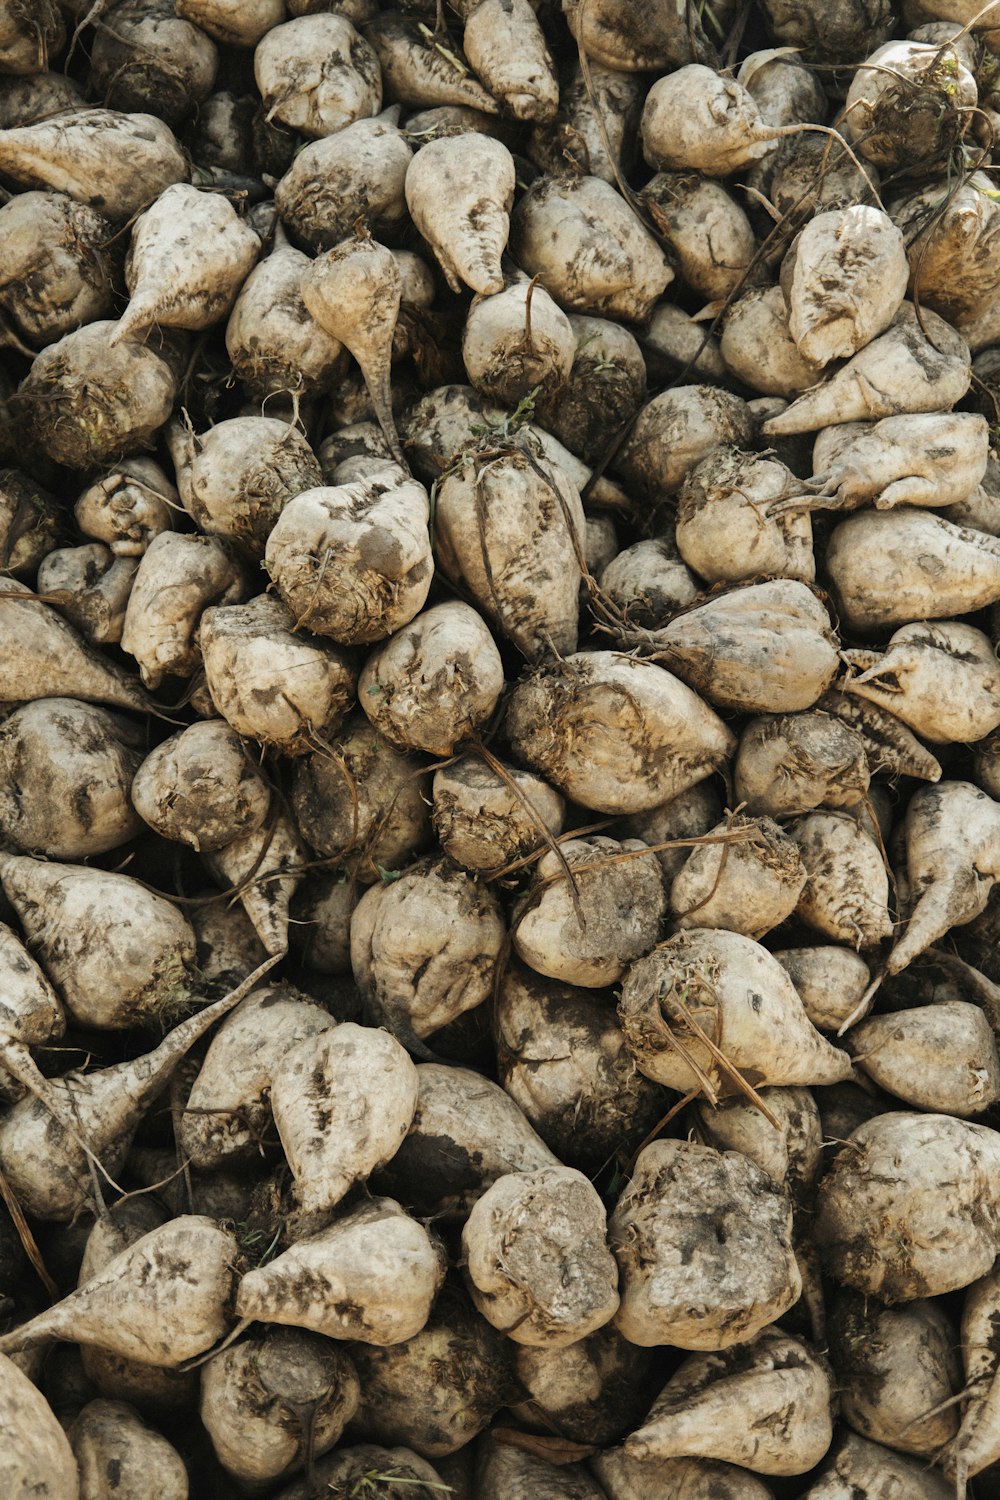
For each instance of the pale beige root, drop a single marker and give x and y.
(265, 865)
(587, 932)
(228, 1110)
(626, 1478)
(87, 402)
(768, 647)
(438, 1390)
(505, 1469)
(147, 57)
(357, 451)
(791, 1155)
(121, 1458)
(483, 822)
(603, 390)
(830, 981)
(270, 683)
(28, 35)
(952, 246)
(113, 949)
(747, 886)
(442, 424)
(614, 733)
(424, 947)
(49, 1143)
(35, 1458)
(675, 344)
(844, 280)
(952, 834)
(890, 747)
(766, 1405)
(240, 23)
(162, 1300)
(57, 271)
(916, 366)
(673, 1232)
(30, 1012)
(91, 586)
(588, 248)
(357, 173)
(320, 921)
(127, 507)
(420, 69)
(686, 816)
(942, 679)
(273, 342)
(510, 528)
(976, 1445)
(466, 1132)
(65, 772)
(114, 162)
(358, 795)
(516, 340)
(563, 1059)
(342, 1100)
(316, 75)
(354, 562)
(459, 192)
(354, 293)
(792, 763)
(909, 105)
(190, 254)
(878, 1473)
(593, 1391)
(879, 1226)
(434, 683)
(649, 582)
(30, 524)
(785, 91)
(632, 38)
(33, 96)
(401, 1472)
(691, 991)
(236, 478)
(758, 348)
(371, 1276)
(180, 576)
(896, 1368)
(675, 431)
(505, 44)
(270, 1404)
(725, 529)
(696, 119)
(846, 894)
(709, 235)
(536, 1259)
(597, 125)
(200, 787)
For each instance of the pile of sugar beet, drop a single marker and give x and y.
(499, 750)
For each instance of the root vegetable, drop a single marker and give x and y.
(108, 160)
(830, 982)
(876, 1470)
(424, 948)
(685, 1283)
(37, 1459)
(686, 816)
(342, 1100)
(696, 119)
(419, 70)
(594, 1391)
(726, 529)
(942, 679)
(503, 1469)
(909, 105)
(271, 1403)
(879, 1226)
(200, 788)
(459, 191)
(268, 682)
(649, 582)
(633, 39)
(127, 507)
(536, 1259)
(57, 269)
(354, 562)
(708, 233)
(603, 390)
(790, 1155)
(145, 56)
(844, 282)
(758, 348)
(952, 247)
(265, 866)
(614, 733)
(110, 1439)
(162, 1300)
(357, 173)
(316, 74)
(684, 1013)
(902, 371)
(675, 431)
(506, 45)
(434, 683)
(748, 886)
(91, 586)
(556, 230)
(88, 401)
(787, 1425)
(484, 822)
(890, 747)
(626, 1478)
(517, 342)
(399, 1470)
(234, 22)
(597, 125)
(846, 894)
(975, 1446)
(180, 575)
(792, 763)
(371, 1276)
